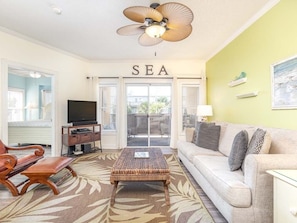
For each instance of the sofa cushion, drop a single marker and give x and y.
(239, 148)
(208, 135)
(228, 133)
(282, 140)
(259, 143)
(229, 185)
(190, 150)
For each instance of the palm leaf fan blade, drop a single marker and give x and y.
(140, 13)
(177, 33)
(176, 13)
(128, 30)
(146, 40)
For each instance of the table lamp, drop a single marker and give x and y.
(204, 111)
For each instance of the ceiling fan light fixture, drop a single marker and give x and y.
(155, 31)
(170, 22)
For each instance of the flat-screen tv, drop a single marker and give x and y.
(81, 112)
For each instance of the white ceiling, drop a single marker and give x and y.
(87, 28)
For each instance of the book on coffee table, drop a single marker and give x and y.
(141, 155)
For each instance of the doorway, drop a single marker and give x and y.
(28, 100)
(148, 114)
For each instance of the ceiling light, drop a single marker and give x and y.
(155, 31)
(35, 74)
(155, 23)
(57, 10)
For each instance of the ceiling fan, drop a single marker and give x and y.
(170, 21)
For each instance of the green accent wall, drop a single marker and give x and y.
(271, 39)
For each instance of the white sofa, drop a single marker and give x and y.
(240, 196)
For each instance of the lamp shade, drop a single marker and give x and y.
(204, 110)
(155, 31)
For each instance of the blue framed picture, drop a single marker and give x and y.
(284, 84)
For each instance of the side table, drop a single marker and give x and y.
(284, 195)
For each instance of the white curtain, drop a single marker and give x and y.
(93, 83)
(174, 114)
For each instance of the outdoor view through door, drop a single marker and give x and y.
(148, 115)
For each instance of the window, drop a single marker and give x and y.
(108, 106)
(190, 99)
(46, 102)
(15, 104)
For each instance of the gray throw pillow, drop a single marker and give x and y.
(194, 140)
(256, 142)
(208, 136)
(260, 141)
(238, 150)
(197, 129)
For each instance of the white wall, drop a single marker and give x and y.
(174, 68)
(70, 72)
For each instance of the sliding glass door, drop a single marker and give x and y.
(148, 114)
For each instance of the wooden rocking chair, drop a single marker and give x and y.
(10, 165)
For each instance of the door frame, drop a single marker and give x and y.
(5, 64)
(145, 82)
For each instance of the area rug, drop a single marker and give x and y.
(86, 198)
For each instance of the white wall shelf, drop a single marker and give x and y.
(247, 95)
(237, 82)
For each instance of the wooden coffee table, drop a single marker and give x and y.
(129, 168)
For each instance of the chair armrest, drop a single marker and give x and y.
(8, 161)
(39, 150)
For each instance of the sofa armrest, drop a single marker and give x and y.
(257, 165)
(260, 182)
(39, 150)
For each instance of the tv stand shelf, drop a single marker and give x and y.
(76, 136)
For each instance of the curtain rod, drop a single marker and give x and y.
(189, 78)
(150, 77)
(200, 78)
(99, 77)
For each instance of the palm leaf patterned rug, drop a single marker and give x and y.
(86, 198)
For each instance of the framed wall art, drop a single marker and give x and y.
(284, 84)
